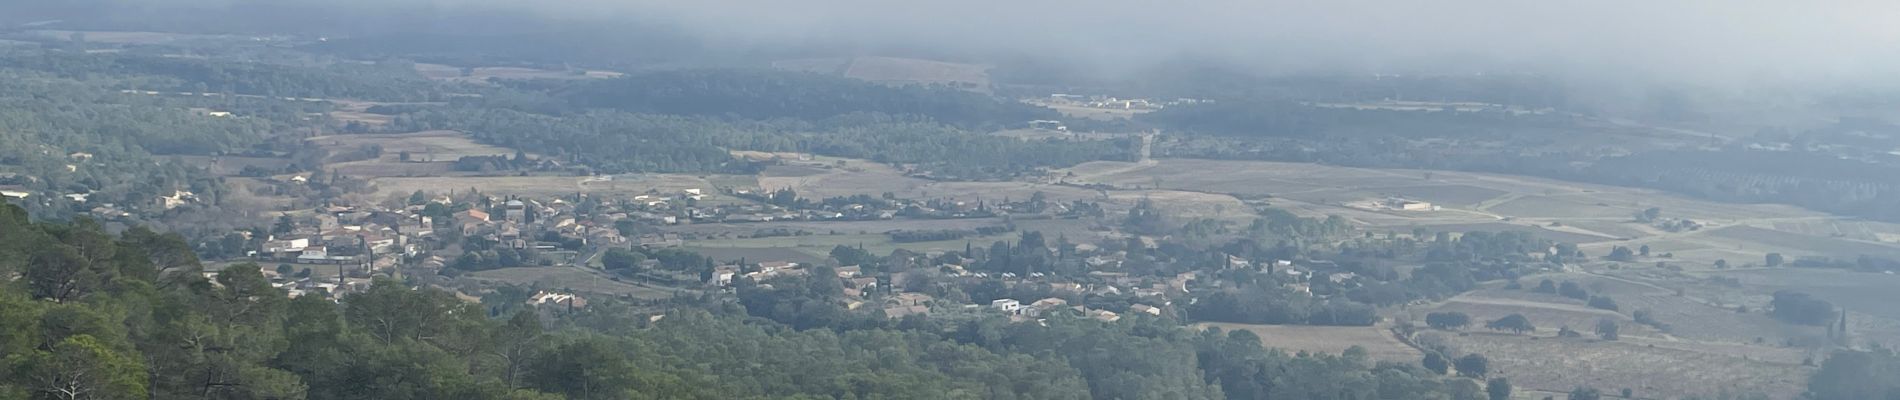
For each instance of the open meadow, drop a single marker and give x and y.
(828, 177)
(1703, 341)
(1598, 217)
(1868, 298)
(356, 111)
(430, 153)
(1378, 342)
(731, 241)
(1712, 332)
(1649, 368)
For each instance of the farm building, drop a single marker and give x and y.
(1048, 125)
(1410, 205)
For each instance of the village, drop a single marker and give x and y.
(445, 240)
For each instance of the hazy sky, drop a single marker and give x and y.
(1690, 39)
(1710, 41)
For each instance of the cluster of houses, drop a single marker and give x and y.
(1149, 295)
(686, 208)
(108, 211)
(365, 239)
(884, 291)
(1116, 103)
(378, 238)
(1048, 306)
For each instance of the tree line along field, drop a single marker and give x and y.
(1650, 371)
(895, 70)
(1706, 343)
(430, 154)
(349, 112)
(1573, 212)
(1866, 297)
(816, 248)
(483, 74)
(870, 235)
(1378, 342)
(828, 177)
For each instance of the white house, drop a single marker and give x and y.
(314, 254)
(544, 298)
(1007, 305)
(285, 245)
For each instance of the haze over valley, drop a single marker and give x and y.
(486, 199)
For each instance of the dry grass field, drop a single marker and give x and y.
(1547, 316)
(1707, 342)
(1867, 297)
(828, 177)
(1597, 217)
(427, 146)
(431, 153)
(1556, 207)
(431, 169)
(1650, 368)
(347, 111)
(1795, 244)
(1327, 339)
(1690, 316)
(1869, 231)
(1446, 195)
(232, 165)
(1099, 114)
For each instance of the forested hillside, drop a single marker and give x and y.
(68, 136)
(363, 81)
(89, 314)
(1813, 180)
